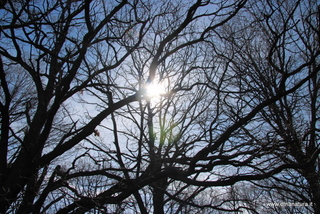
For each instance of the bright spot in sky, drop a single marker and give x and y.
(154, 90)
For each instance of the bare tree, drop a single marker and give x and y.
(82, 132)
(271, 53)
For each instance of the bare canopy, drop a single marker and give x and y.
(235, 127)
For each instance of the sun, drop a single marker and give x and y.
(154, 90)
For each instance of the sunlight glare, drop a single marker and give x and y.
(154, 90)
